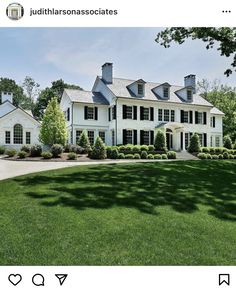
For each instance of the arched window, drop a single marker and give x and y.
(18, 134)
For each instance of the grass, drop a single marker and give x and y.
(170, 213)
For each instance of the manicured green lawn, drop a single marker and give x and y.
(165, 213)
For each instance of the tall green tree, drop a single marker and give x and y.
(224, 38)
(53, 129)
(224, 98)
(56, 90)
(31, 88)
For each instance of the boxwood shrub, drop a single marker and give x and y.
(114, 153)
(56, 150)
(129, 156)
(22, 154)
(151, 156)
(215, 157)
(121, 156)
(144, 154)
(11, 152)
(157, 156)
(72, 156)
(164, 156)
(231, 156)
(46, 155)
(137, 156)
(221, 157)
(202, 156)
(25, 148)
(225, 155)
(144, 148)
(171, 155)
(151, 148)
(136, 149)
(208, 156)
(2, 150)
(35, 151)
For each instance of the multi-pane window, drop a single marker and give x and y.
(172, 118)
(18, 134)
(90, 113)
(166, 92)
(200, 118)
(140, 89)
(28, 137)
(7, 137)
(211, 141)
(91, 136)
(146, 137)
(129, 112)
(217, 141)
(77, 135)
(113, 137)
(200, 139)
(159, 114)
(166, 115)
(212, 121)
(102, 135)
(186, 116)
(146, 113)
(189, 94)
(129, 136)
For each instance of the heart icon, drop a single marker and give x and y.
(15, 279)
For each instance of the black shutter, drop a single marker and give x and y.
(85, 112)
(205, 140)
(109, 114)
(190, 116)
(151, 113)
(124, 137)
(124, 112)
(214, 121)
(135, 112)
(135, 136)
(204, 118)
(68, 114)
(96, 113)
(181, 140)
(151, 137)
(182, 116)
(141, 137)
(196, 117)
(141, 113)
(114, 111)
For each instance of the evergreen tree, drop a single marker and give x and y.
(228, 142)
(160, 141)
(84, 141)
(99, 149)
(194, 145)
(53, 129)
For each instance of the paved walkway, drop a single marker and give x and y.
(10, 169)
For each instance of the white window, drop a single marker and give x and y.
(166, 115)
(102, 135)
(129, 112)
(166, 92)
(77, 135)
(172, 116)
(129, 136)
(7, 137)
(186, 116)
(211, 141)
(140, 89)
(189, 94)
(200, 139)
(91, 136)
(186, 140)
(18, 134)
(200, 118)
(217, 140)
(160, 114)
(146, 137)
(28, 137)
(90, 112)
(146, 113)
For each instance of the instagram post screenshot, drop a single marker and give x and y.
(117, 144)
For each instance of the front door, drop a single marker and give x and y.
(169, 140)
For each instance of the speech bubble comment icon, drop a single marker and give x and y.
(38, 280)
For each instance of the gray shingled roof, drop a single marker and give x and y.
(119, 88)
(215, 110)
(77, 95)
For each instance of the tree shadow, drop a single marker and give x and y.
(146, 186)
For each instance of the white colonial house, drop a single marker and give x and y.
(123, 111)
(17, 126)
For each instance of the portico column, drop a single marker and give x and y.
(183, 140)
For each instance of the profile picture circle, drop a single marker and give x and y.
(15, 11)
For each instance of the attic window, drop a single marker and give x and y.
(140, 88)
(166, 92)
(189, 94)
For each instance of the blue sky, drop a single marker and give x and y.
(76, 56)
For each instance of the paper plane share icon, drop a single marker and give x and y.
(61, 278)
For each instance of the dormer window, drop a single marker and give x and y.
(189, 94)
(166, 92)
(140, 89)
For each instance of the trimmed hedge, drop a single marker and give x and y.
(2, 150)
(22, 154)
(11, 152)
(56, 150)
(46, 155)
(35, 151)
(72, 156)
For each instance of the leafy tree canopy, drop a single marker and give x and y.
(224, 38)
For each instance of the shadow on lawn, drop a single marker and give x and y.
(145, 186)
